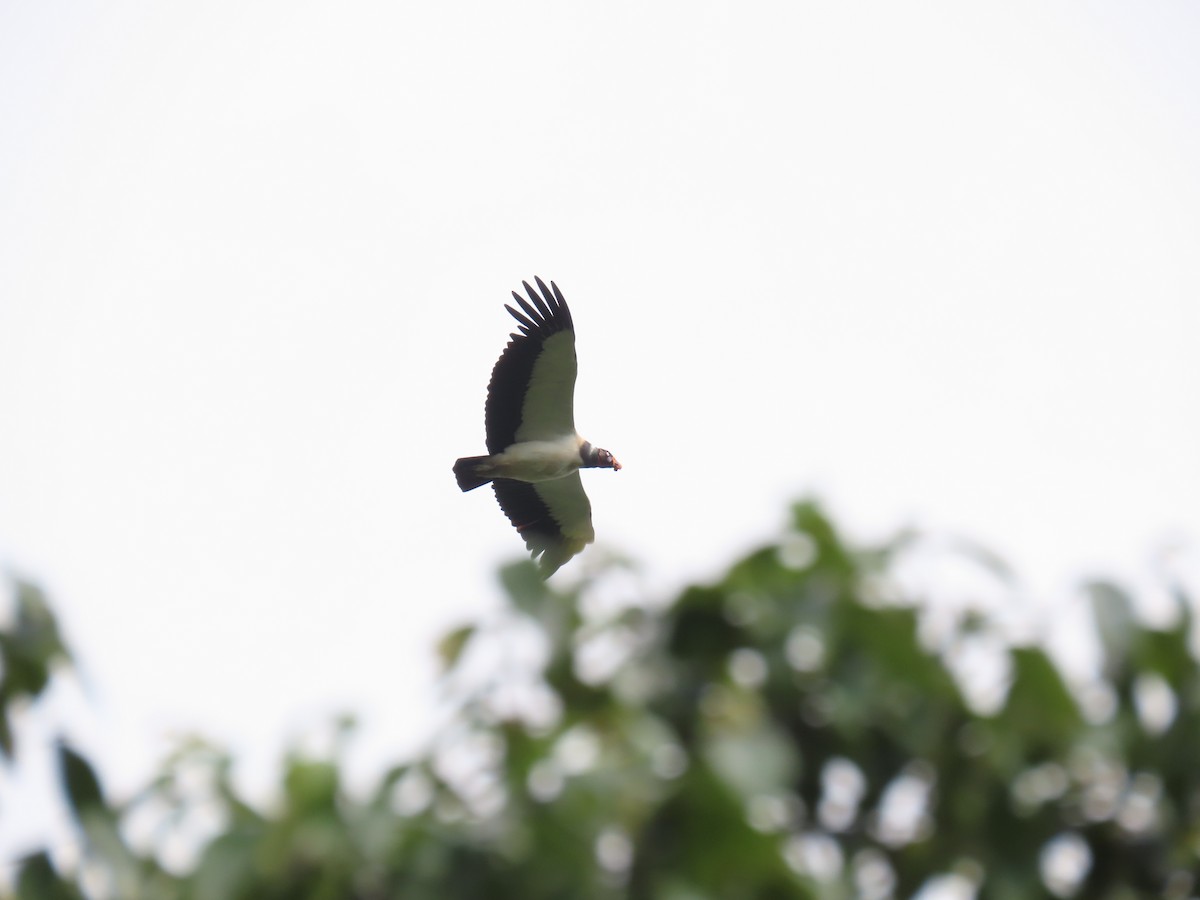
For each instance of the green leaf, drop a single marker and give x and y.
(832, 555)
(38, 880)
(1113, 612)
(452, 644)
(6, 735)
(1039, 705)
(311, 786)
(28, 652)
(525, 587)
(80, 783)
(700, 630)
(986, 559)
(227, 868)
(1168, 653)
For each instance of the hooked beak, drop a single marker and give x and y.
(616, 465)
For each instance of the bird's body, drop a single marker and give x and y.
(534, 452)
(533, 461)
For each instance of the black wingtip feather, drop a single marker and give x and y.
(537, 321)
(529, 310)
(537, 300)
(524, 322)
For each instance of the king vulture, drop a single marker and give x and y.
(534, 453)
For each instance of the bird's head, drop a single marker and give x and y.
(598, 458)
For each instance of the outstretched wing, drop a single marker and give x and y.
(554, 517)
(531, 395)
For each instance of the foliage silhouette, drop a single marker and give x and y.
(789, 731)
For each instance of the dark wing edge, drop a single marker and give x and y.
(549, 543)
(540, 317)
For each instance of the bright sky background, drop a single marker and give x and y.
(937, 263)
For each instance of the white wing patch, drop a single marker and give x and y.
(568, 505)
(549, 408)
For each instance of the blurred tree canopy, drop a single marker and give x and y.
(790, 731)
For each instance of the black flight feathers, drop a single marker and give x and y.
(543, 316)
(528, 514)
(551, 314)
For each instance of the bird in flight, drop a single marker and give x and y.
(534, 452)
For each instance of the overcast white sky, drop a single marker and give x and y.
(939, 264)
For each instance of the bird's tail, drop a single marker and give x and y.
(468, 471)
